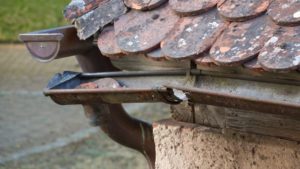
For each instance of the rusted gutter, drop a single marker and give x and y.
(46, 45)
(208, 97)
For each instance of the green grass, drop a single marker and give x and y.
(17, 16)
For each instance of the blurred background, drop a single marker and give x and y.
(36, 133)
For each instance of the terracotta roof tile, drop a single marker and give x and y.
(193, 35)
(205, 60)
(240, 10)
(107, 42)
(285, 12)
(88, 24)
(192, 7)
(242, 41)
(144, 4)
(210, 33)
(78, 8)
(281, 53)
(144, 31)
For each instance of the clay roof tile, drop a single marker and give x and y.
(250, 34)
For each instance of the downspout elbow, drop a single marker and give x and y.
(122, 128)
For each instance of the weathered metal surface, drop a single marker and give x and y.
(156, 55)
(88, 24)
(105, 83)
(78, 8)
(241, 10)
(238, 72)
(107, 42)
(193, 35)
(93, 61)
(107, 96)
(140, 32)
(285, 12)
(74, 88)
(242, 41)
(282, 52)
(144, 4)
(46, 45)
(257, 89)
(140, 62)
(192, 7)
(232, 100)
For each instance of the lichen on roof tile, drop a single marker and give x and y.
(144, 4)
(88, 24)
(140, 32)
(192, 7)
(77, 8)
(241, 10)
(285, 12)
(193, 35)
(195, 29)
(107, 42)
(281, 53)
(242, 41)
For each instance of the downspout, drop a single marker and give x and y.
(112, 118)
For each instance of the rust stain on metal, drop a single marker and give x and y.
(105, 83)
(285, 12)
(282, 52)
(192, 7)
(144, 4)
(242, 41)
(210, 97)
(241, 10)
(107, 42)
(106, 95)
(139, 32)
(193, 35)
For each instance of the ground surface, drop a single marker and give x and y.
(36, 133)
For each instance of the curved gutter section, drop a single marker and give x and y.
(123, 129)
(50, 44)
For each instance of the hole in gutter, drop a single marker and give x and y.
(180, 94)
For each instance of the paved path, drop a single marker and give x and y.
(27, 118)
